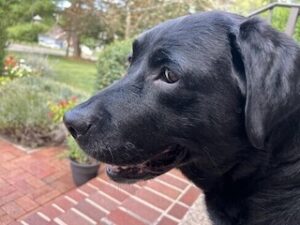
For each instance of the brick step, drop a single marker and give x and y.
(164, 200)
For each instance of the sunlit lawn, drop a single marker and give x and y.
(77, 73)
(80, 74)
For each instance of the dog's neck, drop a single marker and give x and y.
(273, 183)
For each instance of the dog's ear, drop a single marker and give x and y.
(268, 65)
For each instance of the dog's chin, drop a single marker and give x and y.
(150, 168)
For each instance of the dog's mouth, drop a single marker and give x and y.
(155, 166)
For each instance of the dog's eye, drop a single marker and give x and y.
(169, 76)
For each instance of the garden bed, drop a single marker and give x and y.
(25, 116)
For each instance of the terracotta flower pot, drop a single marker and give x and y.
(82, 173)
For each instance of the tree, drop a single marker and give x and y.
(129, 17)
(21, 13)
(245, 7)
(107, 20)
(5, 18)
(2, 40)
(81, 19)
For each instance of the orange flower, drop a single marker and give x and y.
(74, 98)
(10, 61)
(63, 103)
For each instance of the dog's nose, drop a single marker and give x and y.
(76, 123)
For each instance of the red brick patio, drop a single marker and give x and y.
(28, 181)
(37, 189)
(162, 201)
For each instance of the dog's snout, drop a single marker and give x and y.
(76, 123)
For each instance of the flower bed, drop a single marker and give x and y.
(24, 111)
(13, 69)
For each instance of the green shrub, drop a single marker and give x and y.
(90, 42)
(112, 63)
(3, 39)
(58, 109)
(24, 112)
(39, 64)
(2, 51)
(27, 32)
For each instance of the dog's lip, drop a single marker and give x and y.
(155, 166)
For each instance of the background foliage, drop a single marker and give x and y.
(24, 113)
(279, 15)
(26, 32)
(106, 24)
(3, 33)
(112, 63)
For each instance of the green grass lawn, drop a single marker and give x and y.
(79, 74)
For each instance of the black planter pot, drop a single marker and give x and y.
(82, 173)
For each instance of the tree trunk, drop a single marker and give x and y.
(68, 43)
(128, 21)
(76, 45)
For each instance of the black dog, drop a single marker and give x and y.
(216, 95)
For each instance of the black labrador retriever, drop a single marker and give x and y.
(217, 96)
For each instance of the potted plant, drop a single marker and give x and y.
(83, 167)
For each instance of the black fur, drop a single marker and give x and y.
(235, 109)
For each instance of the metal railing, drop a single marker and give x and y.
(292, 20)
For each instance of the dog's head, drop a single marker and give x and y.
(204, 87)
